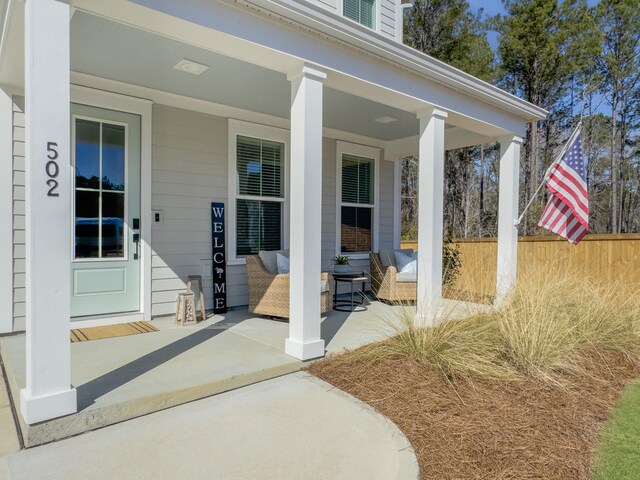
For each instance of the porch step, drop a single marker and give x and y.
(122, 378)
(9, 441)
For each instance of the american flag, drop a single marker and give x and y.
(567, 212)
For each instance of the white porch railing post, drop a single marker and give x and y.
(430, 213)
(48, 393)
(304, 340)
(507, 215)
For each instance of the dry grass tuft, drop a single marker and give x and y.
(519, 392)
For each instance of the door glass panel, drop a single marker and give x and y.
(87, 154)
(87, 224)
(113, 157)
(112, 224)
(100, 189)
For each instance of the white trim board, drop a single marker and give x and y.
(360, 151)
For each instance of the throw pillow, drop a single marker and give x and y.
(283, 263)
(402, 259)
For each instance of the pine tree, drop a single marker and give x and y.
(619, 20)
(543, 43)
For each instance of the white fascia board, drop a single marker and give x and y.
(337, 26)
(262, 36)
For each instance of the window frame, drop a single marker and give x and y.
(263, 132)
(345, 148)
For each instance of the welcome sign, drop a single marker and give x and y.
(218, 256)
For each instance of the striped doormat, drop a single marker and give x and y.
(110, 331)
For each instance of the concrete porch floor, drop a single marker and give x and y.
(126, 377)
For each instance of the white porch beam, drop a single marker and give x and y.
(6, 212)
(430, 213)
(48, 393)
(304, 340)
(507, 215)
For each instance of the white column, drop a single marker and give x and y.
(6, 212)
(48, 393)
(507, 215)
(430, 213)
(304, 340)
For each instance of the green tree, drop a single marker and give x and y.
(619, 21)
(448, 31)
(543, 44)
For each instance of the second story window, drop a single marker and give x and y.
(362, 11)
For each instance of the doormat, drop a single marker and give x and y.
(110, 331)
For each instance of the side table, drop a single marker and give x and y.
(352, 278)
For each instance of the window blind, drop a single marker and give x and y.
(357, 179)
(362, 11)
(260, 166)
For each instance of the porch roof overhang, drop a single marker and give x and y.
(282, 34)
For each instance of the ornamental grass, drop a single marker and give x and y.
(520, 391)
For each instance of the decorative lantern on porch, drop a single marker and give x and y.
(186, 309)
(198, 295)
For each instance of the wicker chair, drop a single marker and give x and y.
(384, 285)
(269, 293)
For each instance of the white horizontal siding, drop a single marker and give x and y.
(190, 168)
(189, 171)
(388, 18)
(18, 226)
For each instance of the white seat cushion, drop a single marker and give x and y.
(406, 277)
(324, 286)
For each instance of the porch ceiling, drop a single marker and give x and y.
(111, 50)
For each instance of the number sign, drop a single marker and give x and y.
(218, 263)
(52, 169)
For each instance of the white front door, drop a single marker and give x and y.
(105, 271)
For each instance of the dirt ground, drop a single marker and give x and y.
(480, 428)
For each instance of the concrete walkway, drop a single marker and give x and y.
(292, 427)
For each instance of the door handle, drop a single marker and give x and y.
(136, 240)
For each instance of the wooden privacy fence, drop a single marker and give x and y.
(600, 257)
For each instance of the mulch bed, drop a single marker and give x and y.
(481, 429)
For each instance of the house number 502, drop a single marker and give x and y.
(52, 169)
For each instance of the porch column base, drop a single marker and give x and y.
(46, 407)
(304, 351)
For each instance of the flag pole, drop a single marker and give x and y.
(548, 172)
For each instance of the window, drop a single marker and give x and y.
(258, 189)
(357, 199)
(100, 162)
(362, 11)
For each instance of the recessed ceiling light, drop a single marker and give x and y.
(386, 120)
(190, 66)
